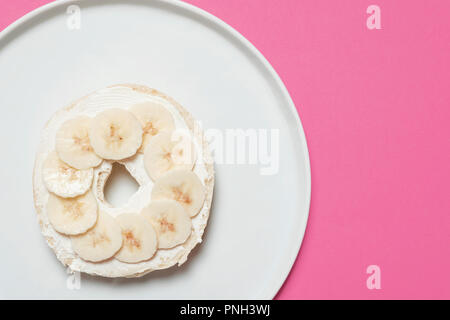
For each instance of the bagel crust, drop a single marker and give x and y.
(123, 95)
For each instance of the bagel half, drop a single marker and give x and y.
(123, 97)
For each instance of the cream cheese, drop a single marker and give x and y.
(116, 97)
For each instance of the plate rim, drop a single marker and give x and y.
(280, 279)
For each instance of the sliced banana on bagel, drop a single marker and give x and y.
(171, 222)
(183, 186)
(169, 151)
(101, 242)
(154, 119)
(63, 180)
(73, 145)
(160, 146)
(139, 238)
(72, 216)
(115, 134)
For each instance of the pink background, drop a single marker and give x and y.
(375, 106)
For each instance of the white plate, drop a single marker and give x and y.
(257, 222)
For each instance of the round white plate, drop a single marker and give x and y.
(257, 221)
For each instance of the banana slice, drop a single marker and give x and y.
(171, 222)
(101, 242)
(73, 146)
(72, 216)
(139, 238)
(115, 134)
(154, 119)
(168, 151)
(63, 180)
(182, 186)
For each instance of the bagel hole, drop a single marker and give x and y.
(120, 186)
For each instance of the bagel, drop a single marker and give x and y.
(81, 180)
